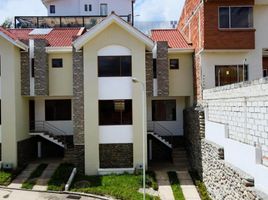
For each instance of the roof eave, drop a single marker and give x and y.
(180, 50)
(82, 40)
(17, 43)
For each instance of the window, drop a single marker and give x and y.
(57, 63)
(115, 112)
(236, 17)
(164, 110)
(58, 110)
(103, 9)
(154, 68)
(85, 7)
(109, 66)
(52, 9)
(174, 63)
(228, 74)
(89, 7)
(32, 67)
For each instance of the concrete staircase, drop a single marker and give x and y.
(179, 157)
(161, 139)
(50, 137)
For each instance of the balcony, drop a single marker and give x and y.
(61, 21)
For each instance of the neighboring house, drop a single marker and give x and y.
(88, 7)
(229, 38)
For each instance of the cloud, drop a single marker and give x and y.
(11, 8)
(158, 10)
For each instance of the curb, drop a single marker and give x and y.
(60, 192)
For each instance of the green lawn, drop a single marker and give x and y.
(175, 185)
(5, 178)
(124, 187)
(31, 181)
(60, 177)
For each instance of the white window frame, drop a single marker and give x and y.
(230, 22)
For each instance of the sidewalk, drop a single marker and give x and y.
(164, 188)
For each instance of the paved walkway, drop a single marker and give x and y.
(164, 188)
(41, 183)
(17, 182)
(188, 188)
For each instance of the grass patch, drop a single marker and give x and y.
(124, 187)
(31, 181)
(5, 178)
(60, 177)
(202, 189)
(175, 185)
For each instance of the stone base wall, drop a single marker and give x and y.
(222, 180)
(194, 130)
(27, 151)
(116, 155)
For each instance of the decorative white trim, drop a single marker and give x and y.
(115, 171)
(17, 43)
(59, 49)
(114, 50)
(81, 41)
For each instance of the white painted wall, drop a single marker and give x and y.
(76, 7)
(254, 57)
(66, 126)
(115, 88)
(175, 127)
(116, 134)
(243, 156)
(31, 55)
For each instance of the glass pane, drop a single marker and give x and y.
(164, 110)
(243, 68)
(126, 66)
(224, 17)
(241, 17)
(57, 63)
(58, 110)
(127, 113)
(72, 21)
(174, 63)
(103, 9)
(108, 66)
(107, 113)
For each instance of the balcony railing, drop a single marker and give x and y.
(60, 21)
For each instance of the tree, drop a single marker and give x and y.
(8, 23)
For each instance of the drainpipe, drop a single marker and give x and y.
(132, 8)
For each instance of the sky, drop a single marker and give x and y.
(145, 10)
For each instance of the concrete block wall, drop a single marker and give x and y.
(243, 108)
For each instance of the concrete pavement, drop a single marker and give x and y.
(11, 194)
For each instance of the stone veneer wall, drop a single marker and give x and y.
(222, 180)
(116, 155)
(162, 69)
(26, 151)
(78, 99)
(41, 73)
(149, 74)
(243, 107)
(25, 73)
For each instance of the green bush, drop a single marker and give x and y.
(5, 178)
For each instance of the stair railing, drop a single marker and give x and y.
(46, 127)
(160, 130)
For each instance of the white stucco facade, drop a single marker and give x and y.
(77, 7)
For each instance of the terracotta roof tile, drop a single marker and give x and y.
(58, 37)
(7, 33)
(174, 38)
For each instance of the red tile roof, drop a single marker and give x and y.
(58, 37)
(174, 38)
(7, 33)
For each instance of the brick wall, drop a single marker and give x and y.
(243, 107)
(149, 73)
(225, 39)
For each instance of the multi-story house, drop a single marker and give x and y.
(229, 38)
(70, 91)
